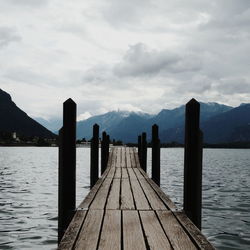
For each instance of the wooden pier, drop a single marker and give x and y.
(126, 210)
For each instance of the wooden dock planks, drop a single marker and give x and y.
(127, 210)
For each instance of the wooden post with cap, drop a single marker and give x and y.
(67, 168)
(94, 156)
(156, 173)
(144, 152)
(193, 163)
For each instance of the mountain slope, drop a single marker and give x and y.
(230, 126)
(107, 122)
(126, 126)
(13, 119)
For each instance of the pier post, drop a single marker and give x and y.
(156, 172)
(193, 163)
(139, 148)
(144, 152)
(94, 156)
(107, 150)
(103, 152)
(67, 168)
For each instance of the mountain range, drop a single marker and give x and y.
(219, 123)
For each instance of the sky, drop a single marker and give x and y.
(136, 55)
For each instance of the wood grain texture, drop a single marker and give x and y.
(89, 234)
(111, 231)
(128, 160)
(69, 237)
(127, 201)
(101, 196)
(124, 173)
(123, 159)
(155, 202)
(193, 231)
(118, 157)
(155, 235)
(132, 231)
(139, 196)
(175, 232)
(89, 198)
(118, 173)
(131, 174)
(157, 189)
(132, 157)
(114, 195)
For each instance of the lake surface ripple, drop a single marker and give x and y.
(28, 197)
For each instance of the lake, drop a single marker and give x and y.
(28, 197)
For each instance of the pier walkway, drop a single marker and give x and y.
(126, 210)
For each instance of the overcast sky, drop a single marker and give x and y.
(131, 55)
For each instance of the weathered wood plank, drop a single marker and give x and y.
(128, 158)
(139, 196)
(111, 172)
(139, 175)
(123, 157)
(112, 160)
(111, 231)
(132, 157)
(71, 233)
(193, 231)
(127, 201)
(89, 198)
(155, 235)
(155, 202)
(118, 173)
(114, 195)
(131, 174)
(88, 237)
(158, 190)
(118, 158)
(124, 173)
(175, 232)
(101, 196)
(132, 231)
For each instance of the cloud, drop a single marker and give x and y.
(30, 3)
(139, 55)
(233, 86)
(141, 61)
(8, 35)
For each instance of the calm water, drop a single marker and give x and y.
(28, 197)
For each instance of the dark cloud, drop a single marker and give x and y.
(233, 86)
(30, 3)
(142, 61)
(8, 35)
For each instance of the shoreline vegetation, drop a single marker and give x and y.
(8, 139)
(45, 143)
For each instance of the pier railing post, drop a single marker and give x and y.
(67, 168)
(103, 152)
(144, 152)
(156, 173)
(193, 163)
(94, 156)
(107, 150)
(139, 148)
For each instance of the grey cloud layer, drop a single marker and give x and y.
(134, 54)
(8, 35)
